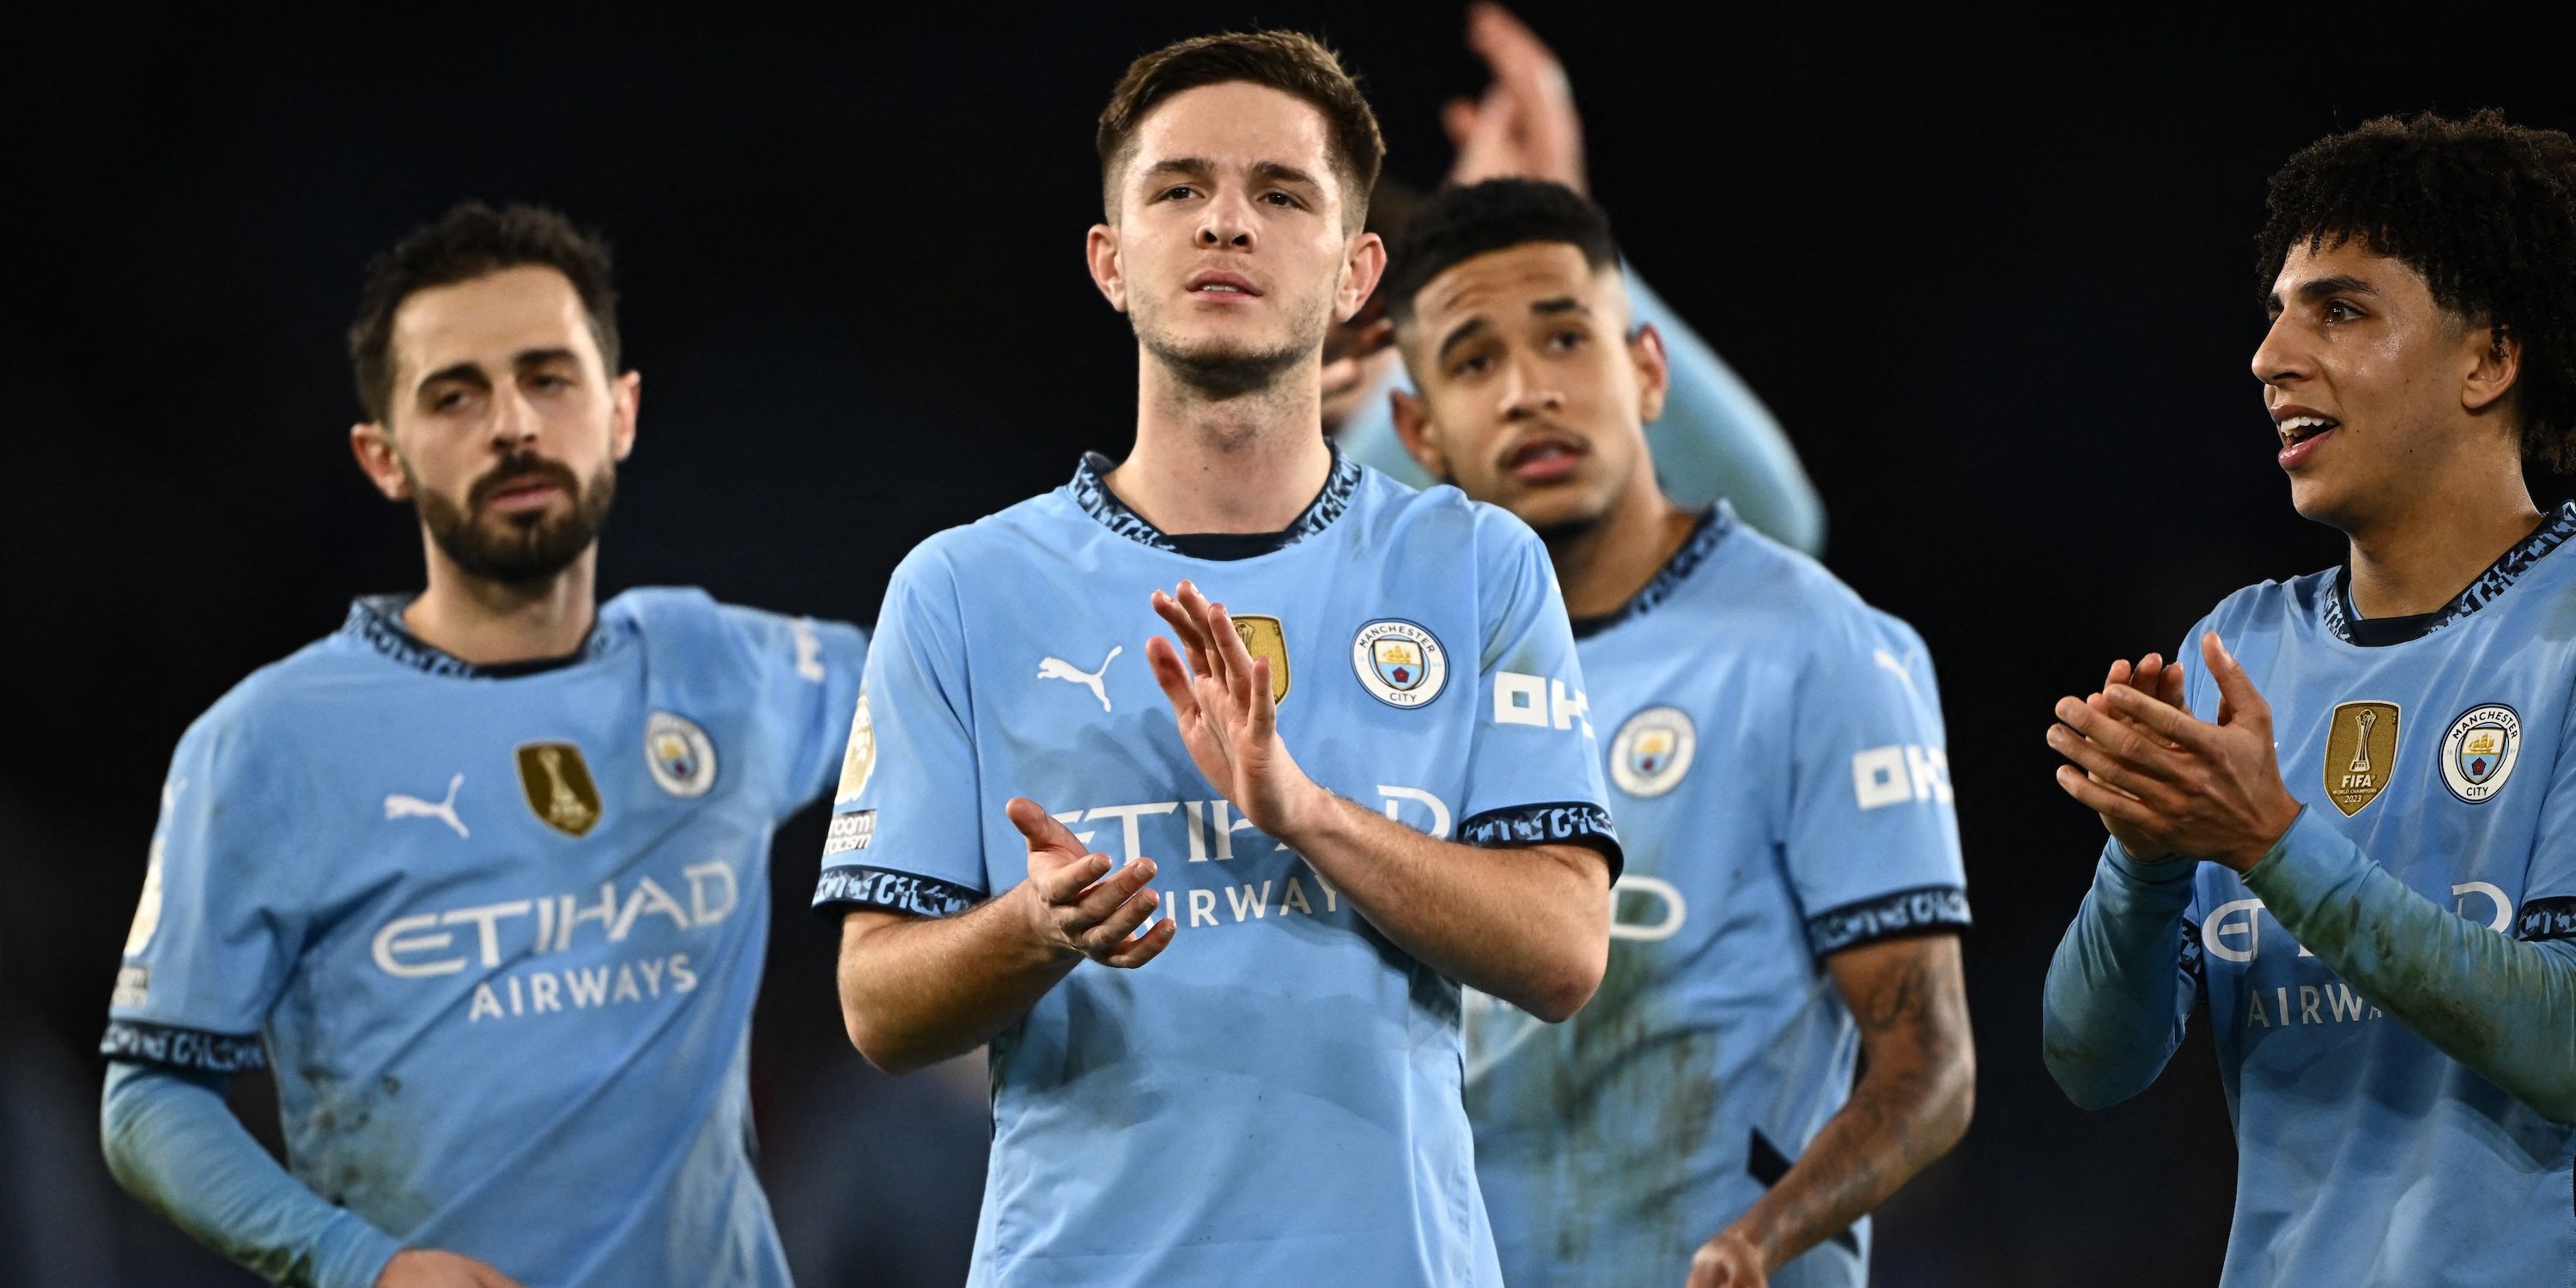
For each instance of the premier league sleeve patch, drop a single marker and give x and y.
(2479, 751)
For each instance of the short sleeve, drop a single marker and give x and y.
(907, 821)
(1873, 839)
(221, 920)
(1534, 766)
(808, 675)
(2549, 887)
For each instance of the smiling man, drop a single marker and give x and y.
(483, 876)
(1794, 893)
(1363, 781)
(2386, 941)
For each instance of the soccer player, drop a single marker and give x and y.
(1715, 438)
(1369, 778)
(482, 876)
(1793, 881)
(2386, 940)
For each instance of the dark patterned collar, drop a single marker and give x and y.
(2339, 618)
(377, 620)
(1093, 495)
(1704, 536)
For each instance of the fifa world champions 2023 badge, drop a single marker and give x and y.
(559, 788)
(1399, 663)
(2479, 751)
(2361, 753)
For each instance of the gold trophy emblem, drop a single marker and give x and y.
(558, 787)
(2361, 751)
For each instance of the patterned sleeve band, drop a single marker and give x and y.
(1560, 823)
(182, 1048)
(842, 889)
(1923, 910)
(2547, 919)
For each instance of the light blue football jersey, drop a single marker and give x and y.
(2364, 1154)
(1780, 775)
(1275, 1099)
(497, 931)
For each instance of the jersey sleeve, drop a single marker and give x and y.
(1872, 841)
(1534, 769)
(807, 673)
(221, 920)
(907, 822)
(2549, 888)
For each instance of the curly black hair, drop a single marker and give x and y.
(2484, 209)
(469, 241)
(1459, 223)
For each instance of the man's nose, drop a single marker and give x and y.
(1228, 222)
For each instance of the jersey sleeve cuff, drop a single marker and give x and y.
(2171, 870)
(1922, 910)
(1556, 823)
(2550, 918)
(145, 1042)
(843, 889)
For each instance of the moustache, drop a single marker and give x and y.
(515, 470)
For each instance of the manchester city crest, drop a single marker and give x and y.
(2479, 751)
(1401, 664)
(1652, 751)
(680, 755)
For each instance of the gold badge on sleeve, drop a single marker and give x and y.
(559, 787)
(1264, 637)
(2361, 752)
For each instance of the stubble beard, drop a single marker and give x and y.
(522, 549)
(1224, 370)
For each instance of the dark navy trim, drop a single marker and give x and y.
(842, 889)
(182, 1048)
(1092, 494)
(2342, 622)
(2191, 959)
(377, 619)
(1556, 823)
(2547, 919)
(1923, 910)
(1704, 536)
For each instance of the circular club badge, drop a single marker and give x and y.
(681, 756)
(1652, 751)
(2479, 751)
(1400, 663)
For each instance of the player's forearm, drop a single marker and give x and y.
(174, 1145)
(2108, 1011)
(1716, 438)
(916, 991)
(1527, 924)
(2503, 1007)
(1900, 1118)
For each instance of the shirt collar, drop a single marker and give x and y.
(1091, 492)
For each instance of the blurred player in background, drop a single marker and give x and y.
(483, 875)
(2386, 941)
(1793, 882)
(1715, 439)
(1367, 780)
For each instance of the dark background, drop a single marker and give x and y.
(1993, 275)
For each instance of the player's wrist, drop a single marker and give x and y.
(1308, 814)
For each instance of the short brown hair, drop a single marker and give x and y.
(1291, 62)
(470, 241)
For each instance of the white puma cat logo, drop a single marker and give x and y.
(398, 805)
(1887, 661)
(1056, 668)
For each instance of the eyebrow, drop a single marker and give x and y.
(472, 372)
(1561, 304)
(1462, 333)
(1182, 167)
(2311, 292)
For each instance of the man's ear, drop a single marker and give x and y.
(1654, 372)
(1413, 429)
(373, 445)
(1100, 253)
(1362, 266)
(2495, 360)
(626, 398)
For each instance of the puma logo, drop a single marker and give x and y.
(1056, 668)
(398, 805)
(1887, 662)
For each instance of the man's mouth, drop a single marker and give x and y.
(1223, 284)
(1543, 460)
(2295, 430)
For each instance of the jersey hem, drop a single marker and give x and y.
(179, 1047)
(1554, 823)
(1921, 910)
(844, 888)
(2552, 918)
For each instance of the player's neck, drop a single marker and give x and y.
(1249, 461)
(492, 623)
(2417, 558)
(1603, 566)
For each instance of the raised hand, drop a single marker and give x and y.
(429, 1268)
(1728, 1261)
(1075, 905)
(1525, 125)
(2179, 785)
(1221, 701)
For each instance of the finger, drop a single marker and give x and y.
(1120, 925)
(2234, 685)
(2119, 673)
(1235, 658)
(1062, 884)
(1044, 831)
(1458, 119)
(1265, 709)
(1098, 901)
(2100, 764)
(2169, 685)
(2167, 721)
(2106, 728)
(2104, 801)
(1142, 949)
(1165, 662)
(1177, 616)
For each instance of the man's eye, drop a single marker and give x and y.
(2338, 311)
(448, 401)
(550, 382)
(1280, 199)
(1565, 340)
(1471, 365)
(1176, 192)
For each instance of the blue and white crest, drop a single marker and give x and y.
(1399, 663)
(2479, 751)
(1653, 750)
(681, 756)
